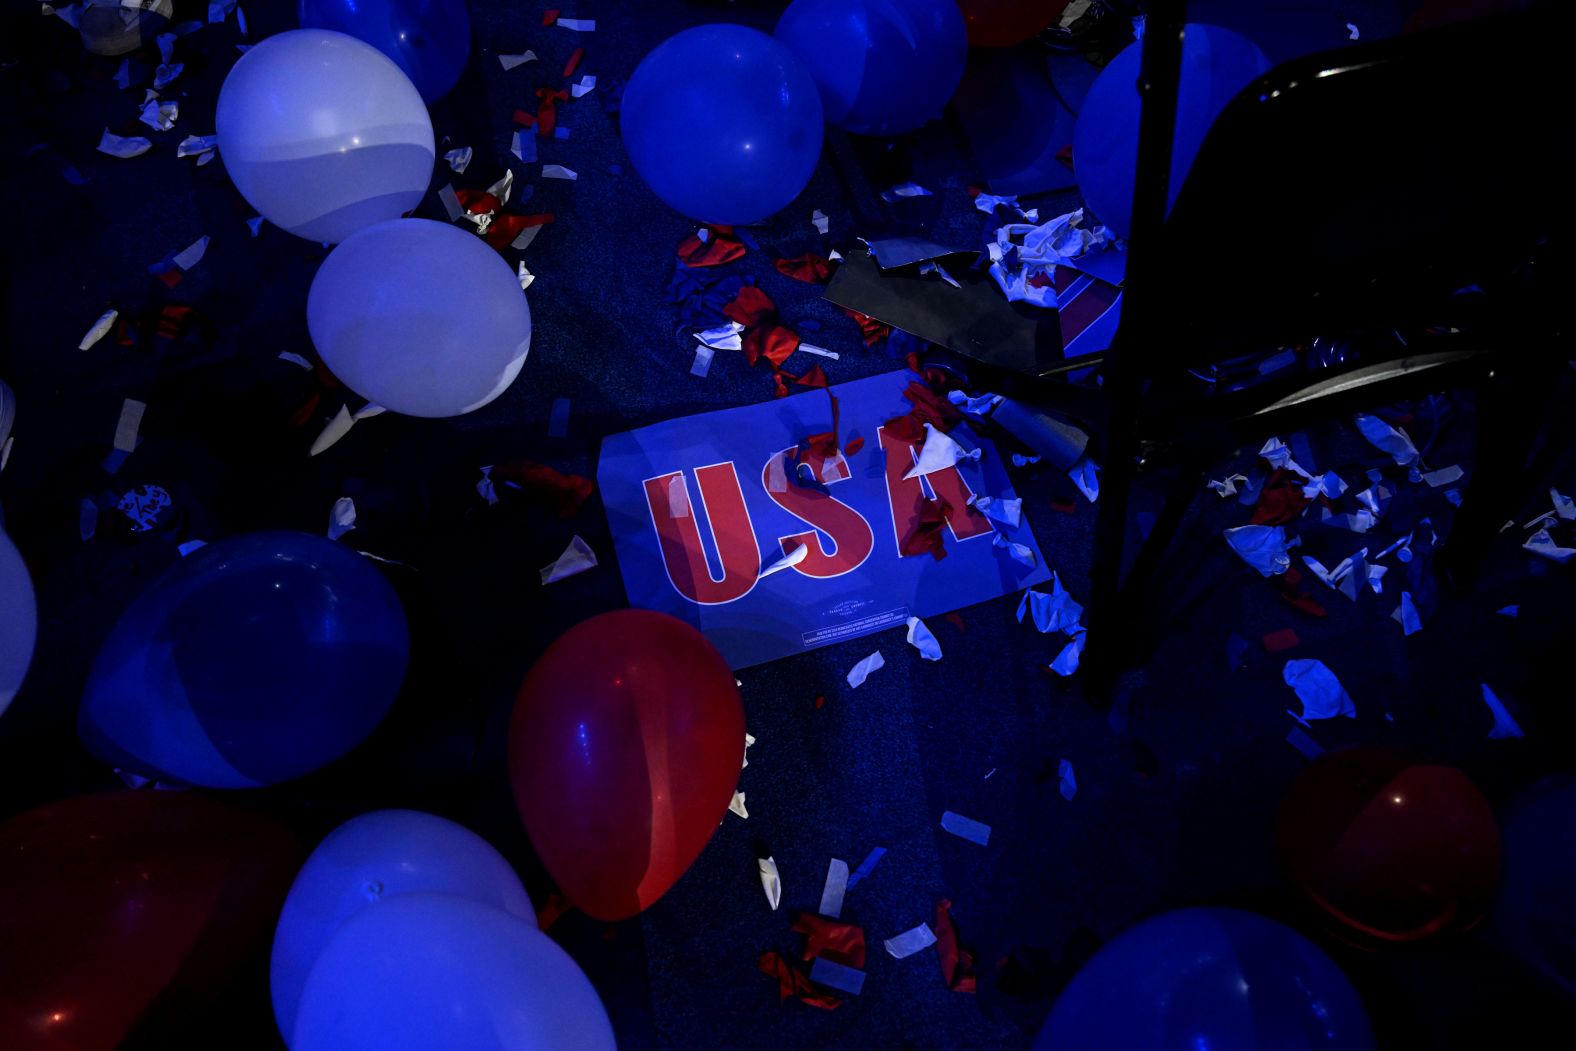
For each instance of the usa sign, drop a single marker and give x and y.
(699, 506)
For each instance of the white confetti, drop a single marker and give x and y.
(579, 25)
(861, 671)
(1066, 662)
(1542, 543)
(558, 171)
(295, 359)
(771, 880)
(1387, 439)
(702, 363)
(819, 220)
(1022, 553)
(192, 254)
(100, 329)
(736, 805)
(525, 276)
(1505, 725)
(1086, 476)
(195, 145)
(786, 560)
(190, 546)
(341, 517)
(124, 148)
(910, 941)
(938, 453)
(966, 828)
(160, 115)
(129, 424)
(460, 159)
(583, 87)
(511, 61)
(1067, 782)
(921, 638)
(577, 558)
(837, 976)
(835, 887)
(1407, 616)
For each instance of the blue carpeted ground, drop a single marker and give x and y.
(1178, 782)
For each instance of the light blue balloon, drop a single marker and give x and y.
(723, 123)
(367, 861)
(18, 620)
(429, 39)
(1216, 64)
(425, 972)
(883, 66)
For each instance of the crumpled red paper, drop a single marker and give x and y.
(547, 109)
(810, 268)
(816, 377)
(565, 493)
(773, 342)
(839, 942)
(957, 964)
(873, 330)
(1288, 585)
(1281, 500)
(928, 535)
(751, 307)
(793, 982)
(719, 247)
(932, 408)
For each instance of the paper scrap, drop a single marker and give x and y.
(834, 888)
(460, 159)
(192, 254)
(1227, 486)
(771, 881)
(966, 828)
(191, 545)
(787, 560)
(911, 941)
(1051, 612)
(583, 87)
(921, 639)
(1505, 725)
(819, 220)
(1066, 662)
(1509, 611)
(341, 518)
(702, 364)
(525, 277)
(1407, 616)
(1321, 693)
(1020, 552)
(195, 145)
(723, 337)
(1008, 512)
(1066, 781)
(907, 189)
(295, 359)
(577, 558)
(523, 145)
(557, 171)
(1278, 454)
(129, 424)
(1564, 506)
(1086, 476)
(511, 61)
(124, 147)
(867, 866)
(938, 453)
(160, 115)
(1542, 543)
(736, 805)
(1387, 439)
(100, 329)
(837, 976)
(862, 670)
(1262, 547)
(1443, 476)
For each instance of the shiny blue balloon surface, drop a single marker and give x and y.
(723, 123)
(1216, 64)
(883, 66)
(1215, 979)
(429, 39)
(250, 661)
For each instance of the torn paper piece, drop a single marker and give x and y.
(1021, 553)
(165, 74)
(295, 359)
(1262, 547)
(1387, 439)
(907, 189)
(834, 888)
(1443, 476)
(583, 87)
(1352, 32)
(1051, 612)
(1406, 615)
(524, 276)
(911, 941)
(192, 254)
(723, 337)
(921, 639)
(511, 61)
(787, 560)
(1086, 476)
(100, 329)
(1227, 486)
(771, 882)
(933, 267)
(255, 224)
(557, 171)
(191, 545)
(193, 145)
(124, 147)
(749, 738)
(837, 976)
(1509, 611)
(1505, 725)
(1278, 454)
(862, 670)
(736, 805)
(1008, 512)
(129, 424)
(160, 115)
(702, 365)
(1564, 506)
(966, 828)
(1066, 662)
(1328, 484)
(579, 25)
(341, 517)
(980, 405)
(819, 220)
(867, 866)
(1321, 693)
(1542, 543)
(938, 453)
(460, 159)
(577, 558)
(820, 352)
(1066, 781)
(523, 146)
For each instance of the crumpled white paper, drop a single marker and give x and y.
(577, 558)
(1056, 611)
(1387, 439)
(771, 882)
(1542, 543)
(785, 560)
(341, 517)
(921, 639)
(861, 671)
(1022, 553)
(1040, 249)
(1263, 547)
(1008, 512)
(939, 452)
(124, 147)
(1321, 693)
(1066, 662)
(100, 329)
(460, 159)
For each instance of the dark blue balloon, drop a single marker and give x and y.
(883, 66)
(723, 123)
(1216, 64)
(251, 661)
(1219, 979)
(429, 39)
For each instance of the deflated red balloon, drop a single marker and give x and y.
(1394, 847)
(118, 909)
(1004, 23)
(624, 751)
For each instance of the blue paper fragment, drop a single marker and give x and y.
(866, 866)
(558, 420)
(966, 828)
(836, 976)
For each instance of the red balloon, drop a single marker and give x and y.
(624, 751)
(117, 909)
(1005, 23)
(1394, 847)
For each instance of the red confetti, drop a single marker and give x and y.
(873, 330)
(906, 428)
(574, 61)
(820, 702)
(174, 320)
(773, 342)
(549, 16)
(927, 537)
(1066, 507)
(1065, 155)
(956, 620)
(1278, 641)
(1287, 584)
(839, 942)
(1281, 500)
(565, 493)
(853, 445)
(478, 202)
(307, 410)
(957, 964)
(522, 118)
(931, 408)
(810, 268)
(552, 909)
(816, 377)
(505, 228)
(1040, 280)
(792, 982)
(547, 109)
(751, 307)
(172, 277)
(719, 247)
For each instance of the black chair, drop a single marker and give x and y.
(1353, 191)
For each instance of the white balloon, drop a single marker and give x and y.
(323, 134)
(420, 317)
(18, 621)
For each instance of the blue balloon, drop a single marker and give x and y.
(883, 66)
(429, 39)
(248, 662)
(1220, 979)
(430, 971)
(369, 860)
(1216, 64)
(723, 123)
